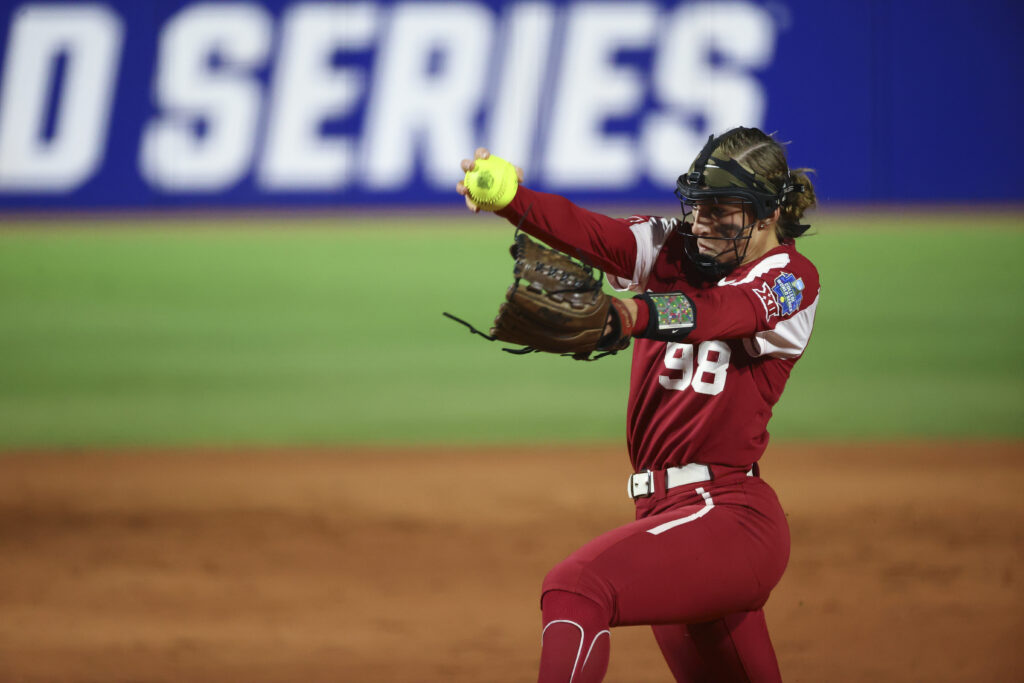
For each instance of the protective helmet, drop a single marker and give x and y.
(717, 178)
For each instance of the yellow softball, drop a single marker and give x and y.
(492, 183)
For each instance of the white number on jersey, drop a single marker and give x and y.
(709, 375)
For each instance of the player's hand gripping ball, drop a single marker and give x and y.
(492, 183)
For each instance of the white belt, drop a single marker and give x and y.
(641, 484)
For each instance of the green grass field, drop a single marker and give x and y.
(326, 332)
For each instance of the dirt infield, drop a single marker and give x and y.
(425, 566)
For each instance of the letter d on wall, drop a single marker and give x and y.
(89, 37)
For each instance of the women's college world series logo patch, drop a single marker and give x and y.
(789, 292)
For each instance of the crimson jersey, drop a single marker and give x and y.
(707, 399)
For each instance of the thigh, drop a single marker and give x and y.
(733, 649)
(712, 555)
(681, 654)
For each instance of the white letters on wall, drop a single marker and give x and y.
(690, 86)
(307, 91)
(593, 89)
(524, 74)
(88, 38)
(427, 89)
(374, 99)
(203, 140)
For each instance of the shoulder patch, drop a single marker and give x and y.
(789, 292)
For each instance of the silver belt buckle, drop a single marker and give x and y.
(641, 485)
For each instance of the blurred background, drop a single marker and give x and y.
(231, 227)
(235, 223)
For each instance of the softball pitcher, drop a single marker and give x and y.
(724, 306)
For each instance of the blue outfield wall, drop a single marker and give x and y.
(163, 103)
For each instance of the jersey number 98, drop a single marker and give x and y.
(708, 377)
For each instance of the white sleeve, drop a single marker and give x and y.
(650, 233)
(787, 339)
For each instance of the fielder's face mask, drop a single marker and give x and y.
(719, 186)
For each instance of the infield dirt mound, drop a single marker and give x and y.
(424, 565)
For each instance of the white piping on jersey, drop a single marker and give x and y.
(650, 238)
(579, 651)
(708, 504)
(771, 263)
(787, 339)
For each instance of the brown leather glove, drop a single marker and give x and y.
(556, 305)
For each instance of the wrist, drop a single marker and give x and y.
(626, 310)
(642, 317)
(620, 324)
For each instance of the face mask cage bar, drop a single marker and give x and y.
(713, 210)
(735, 239)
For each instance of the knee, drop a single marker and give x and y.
(577, 579)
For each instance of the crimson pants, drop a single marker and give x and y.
(697, 564)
